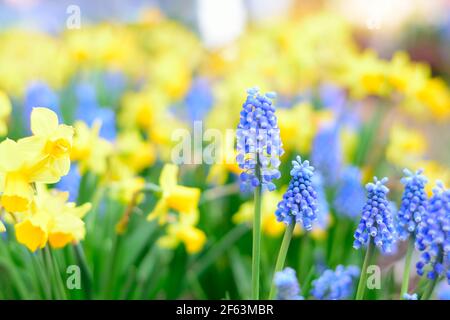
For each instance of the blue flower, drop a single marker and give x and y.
(70, 183)
(408, 296)
(258, 142)
(414, 202)
(39, 94)
(335, 285)
(299, 202)
(443, 291)
(199, 99)
(376, 222)
(326, 154)
(287, 285)
(433, 236)
(89, 111)
(323, 208)
(350, 194)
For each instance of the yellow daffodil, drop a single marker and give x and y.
(405, 146)
(16, 176)
(183, 231)
(5, 111)
(270, 225)
(53, 142)
(89, 149)
(435, 94)
(173, 196)
(51, 219)
(226, 163)
(137, 153)
(434, 172)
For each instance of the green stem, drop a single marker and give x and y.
(406, 271)
(60, 293)
(429, 291)
(363, 277)
(217, 249)
(282, 255)
(85, 271)
(256, 253)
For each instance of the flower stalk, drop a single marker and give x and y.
(256, 252)
(363, 278)
(282, 255)
(407, 269)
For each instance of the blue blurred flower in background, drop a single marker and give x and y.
(335, 284)
(323, 209)
(408, 296)
(39, 94)
(327, 155)
(350, 195)
(199, 100)
(89, 111)
(287, 286)
(70, 183)
(443, 291)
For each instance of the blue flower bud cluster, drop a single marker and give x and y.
(376, 222)
(299, 202)
(259, 145)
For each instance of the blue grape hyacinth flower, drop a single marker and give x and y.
(299, 202)
(326, 153)
(414, 202)
(335, 284)
(408, 296)
(287, 285)
(259, 145)
(90, 111)
(433, 236)
(350, 195)
(376, 222)
(39, 94)
(323, 209)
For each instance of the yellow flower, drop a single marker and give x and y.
(89, 149)
(51, 219)
(134, 151)
(434, 172)
(193, 238)
(16, 175)
(405, 147)
(226, 164)
(436, 96)
(53, 142)
(173, 196)
(269, 223)
(5, 111)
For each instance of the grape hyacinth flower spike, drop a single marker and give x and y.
(376, 227)
(411, 213)
(258, 149)
(299, 205)
(258, 145)
(287, 285)
(335, 284)
(433, 239)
